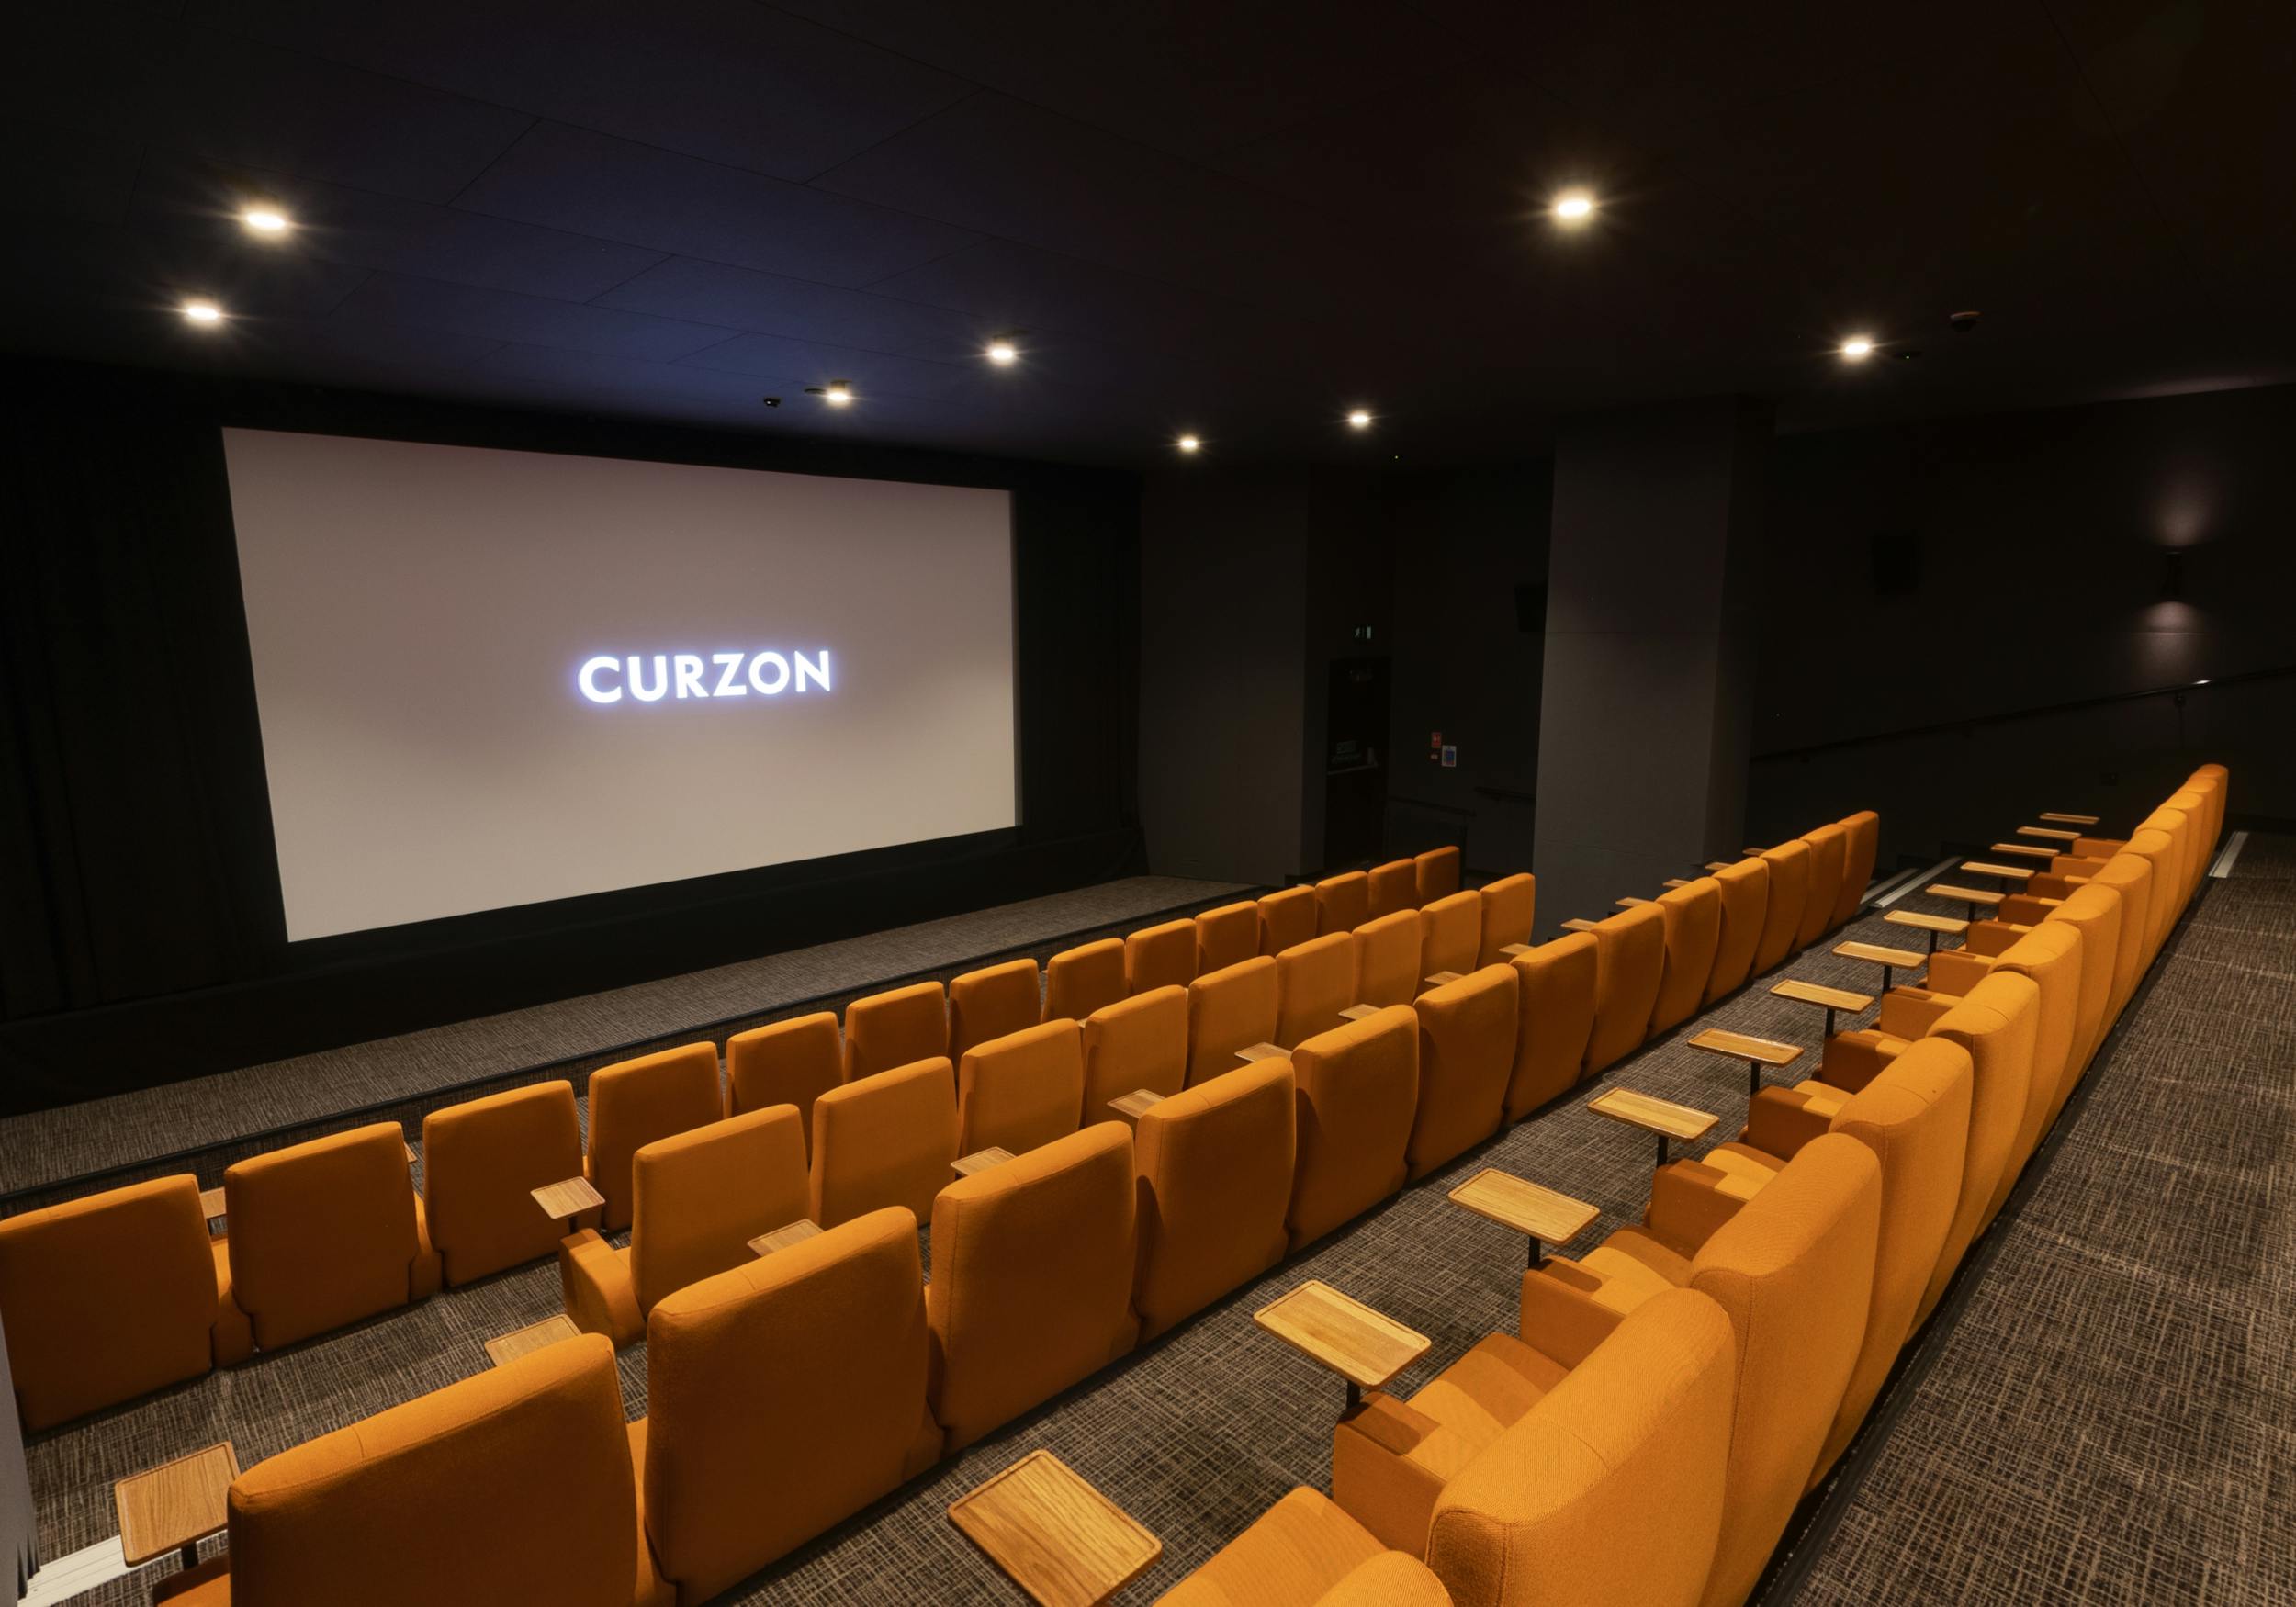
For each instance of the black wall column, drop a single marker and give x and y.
(1646, 713)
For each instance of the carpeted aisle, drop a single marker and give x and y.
(2113, 1418)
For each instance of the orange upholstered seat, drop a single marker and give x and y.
(1286, 919)
(481, 1162)
(1822, 892)
(1314, 981)
(1745, 894)
(2129, 876)
(1134, 1043)
(1358, 1092)
(1160, 957)
(326, 1232)
(897, 1028)
(1555, 1000)
(1509, 906)
(1862, 840)
(1081, 979)
(786, 1062)
(1466, 1055)
(702, 1196)
(2166, 902)
(513, 1485)
(1342, 903)
(1022, 1090)
(1794, 1271)
(884, 1140)
(111, 1297)
(1215, 1181)
(2049, 955)
(987, 1004)
(1693, 929)
(1629, 961)
(1451, 934)
(1394, 885)
(781, 1396)
(1229, 1010)
(633, 1103)
(1033, 1279)
(1781, 911)
(1388, 959)
(1508, 1455)
(1914, 1117)
(1438, 873)
(1305, 1551)
(1226, 936)
(2095, 911)
(1084, 979)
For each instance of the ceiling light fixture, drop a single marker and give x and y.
(836, 393)
(204, 313)
(1003, 352)
(1573, 207)
(1359, 419)
(1857, 348)
(267, 221)
(1188, 444)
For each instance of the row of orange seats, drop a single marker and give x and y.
(1601, 1454)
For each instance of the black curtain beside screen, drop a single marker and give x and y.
(133, 824)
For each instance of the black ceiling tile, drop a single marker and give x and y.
(731, 81)
(229, 101)
(553, 365)
(80, 177)
(771, 304)
(781, 359)
(500, 315)
(313, 345)
(570, 178)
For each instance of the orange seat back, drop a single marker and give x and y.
(1314, 983)
(1342, 903)
(635, 1102)
(2050, 954)
(1438, 871)
(1629, 961)
(1510, 904)
(482, 1160)
(1822, 892)
(1781, 911)
(1134, 1043)
(1555, 997)
(897, 1028)
(786, 1062)
(704, 1194)
(1861, 841)
(1387, 959)
(1227, 1011)
(1394, 886)
(324, 1233)
(513, 1485)
(992, 1002)
(106, 1298)
(1286, 919)
(1450, 935)
(1021, 1091)
(1081, 979)
(1227, 936)
(784, 1395)
(1466, 1055)
(1745, 894)
(883, 1141)
(2131, 876)
(1214, 1165)
(2096, 911)
(1694, 932)
(1033, 1279)
(1161, 956)
(1359, 1090)
(1997, 1024)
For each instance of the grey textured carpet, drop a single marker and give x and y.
(2111, 1418)
(1202, 1430)
(52, 1146)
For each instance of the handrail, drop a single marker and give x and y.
(1969, 721)
(1430, 804)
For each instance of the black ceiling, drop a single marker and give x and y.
(1239, 219)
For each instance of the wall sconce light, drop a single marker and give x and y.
(2172, 575)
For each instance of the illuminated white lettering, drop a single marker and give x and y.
(586, 678)
(638, 681)
(729, 684)
(688, 667)
(820, 673)
(781, 677)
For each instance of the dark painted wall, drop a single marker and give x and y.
(2032, 549)
(140, 933)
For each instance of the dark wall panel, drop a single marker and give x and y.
(140, 933)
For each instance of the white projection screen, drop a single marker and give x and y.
(489, 678)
